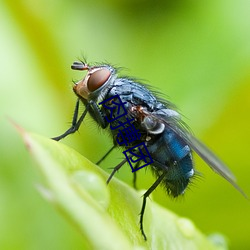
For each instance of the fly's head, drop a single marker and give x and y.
(96, 79)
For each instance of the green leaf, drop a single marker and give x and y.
(106, 215)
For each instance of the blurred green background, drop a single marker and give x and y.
(195, 52)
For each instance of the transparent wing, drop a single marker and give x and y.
(175, 124)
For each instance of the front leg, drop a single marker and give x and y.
(75, 124)
(97, 114)
(93, 109)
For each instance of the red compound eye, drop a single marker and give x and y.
(97, 79)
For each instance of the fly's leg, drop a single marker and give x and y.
(116, 169)
(75, 124)
(145, 196)
(105, 155)
(134, 180)
(97, 113)
(91, 107)
(134, 174)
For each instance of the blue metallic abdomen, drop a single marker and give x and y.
(173, 156)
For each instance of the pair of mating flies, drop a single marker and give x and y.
(166, 137)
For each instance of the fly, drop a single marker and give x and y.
(161, 129)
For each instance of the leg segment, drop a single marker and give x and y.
(75, 124)
(134, 174)
(99, 116)
(105, 155)
(145, 196)
(116, 169)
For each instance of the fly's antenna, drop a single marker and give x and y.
(80, 66)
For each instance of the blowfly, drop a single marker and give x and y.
(158, 125)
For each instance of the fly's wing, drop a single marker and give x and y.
(212, 160)
(175, 124)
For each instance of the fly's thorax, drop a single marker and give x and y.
(94, 85)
